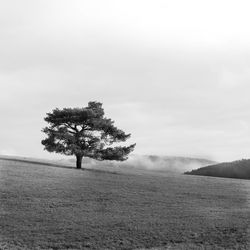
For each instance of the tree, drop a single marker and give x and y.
(85, 132)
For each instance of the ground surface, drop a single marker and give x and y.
(46, 207)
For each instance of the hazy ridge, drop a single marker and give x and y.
(236, 169)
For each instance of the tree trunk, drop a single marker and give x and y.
(78, 161)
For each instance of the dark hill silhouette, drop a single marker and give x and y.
(236, 169)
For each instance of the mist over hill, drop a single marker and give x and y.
(153, 162)
(173, 164)
(236, 169)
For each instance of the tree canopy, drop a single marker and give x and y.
(85, 132)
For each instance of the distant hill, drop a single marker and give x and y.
(236, 169)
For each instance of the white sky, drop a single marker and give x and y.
(176, 74)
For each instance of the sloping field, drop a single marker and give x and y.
(48, 207)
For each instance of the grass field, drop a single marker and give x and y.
(48, 207)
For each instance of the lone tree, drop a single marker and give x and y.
(85, 132)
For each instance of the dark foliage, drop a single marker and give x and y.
(85, 132)
(236, 169)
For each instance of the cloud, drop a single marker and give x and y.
(172, 76)
(234, 79)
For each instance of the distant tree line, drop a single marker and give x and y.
(236, 169)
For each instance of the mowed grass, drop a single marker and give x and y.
(46, 207)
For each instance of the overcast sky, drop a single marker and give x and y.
(175, 74)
